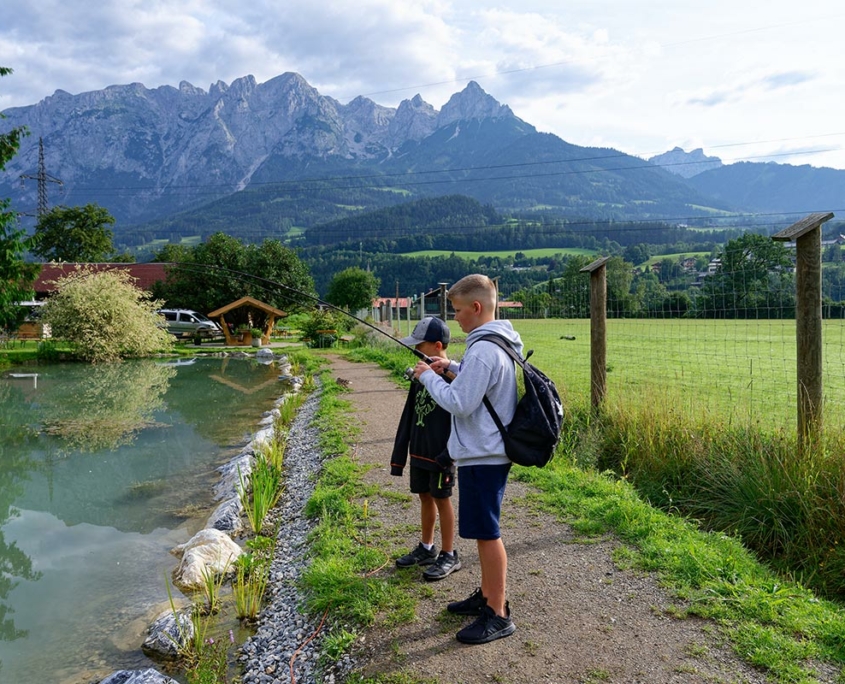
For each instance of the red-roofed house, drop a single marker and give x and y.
(145, 274)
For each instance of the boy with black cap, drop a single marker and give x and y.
(423, 432)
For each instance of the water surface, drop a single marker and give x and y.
(103, 469)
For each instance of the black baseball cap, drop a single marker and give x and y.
(429, 329)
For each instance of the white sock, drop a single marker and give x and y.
(427, 547)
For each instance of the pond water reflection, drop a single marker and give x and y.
(103, 469)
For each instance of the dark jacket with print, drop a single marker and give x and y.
(423, 432)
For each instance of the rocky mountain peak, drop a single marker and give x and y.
(686, 164)
(472, 103)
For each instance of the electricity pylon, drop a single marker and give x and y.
(43, 178)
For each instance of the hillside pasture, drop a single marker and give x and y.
(539, 253)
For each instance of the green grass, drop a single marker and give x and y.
(504, 253)
(745, 480)
(740, 372)
(340, 579)
(657, 258)
(773, 623)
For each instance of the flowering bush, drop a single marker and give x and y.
(104, 316)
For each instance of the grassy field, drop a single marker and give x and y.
(674, 257)
(736, 370)
(533, 253)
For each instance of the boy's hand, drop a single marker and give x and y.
(420, 368)
(444, 460)
(440, 366)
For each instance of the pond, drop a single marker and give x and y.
(103, 470)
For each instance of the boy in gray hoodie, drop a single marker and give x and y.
(477, 448)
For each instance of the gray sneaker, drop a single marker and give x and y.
(445, 565)
(419, 556)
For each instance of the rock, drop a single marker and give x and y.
(231, 474)
(148, 676)
(227, 517)
(293, 382)
(209, 550)
(262, 438)
(165, 637)
(264, 353)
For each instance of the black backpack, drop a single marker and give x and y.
(534, 432)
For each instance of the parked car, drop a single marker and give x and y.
(187, 323)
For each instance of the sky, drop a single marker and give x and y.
(760, 80)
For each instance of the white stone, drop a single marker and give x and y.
(209, 550)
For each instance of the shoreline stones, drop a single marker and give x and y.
(208, 551)
(281, 629)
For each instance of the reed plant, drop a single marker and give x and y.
(212, 583)
(288, 409)
(248, 588)
(262, 492)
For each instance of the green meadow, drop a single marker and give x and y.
(657, 258)
(504, 253)
(700, 417)
(735, 370)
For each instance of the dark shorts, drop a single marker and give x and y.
(434, 482)
(481, 489)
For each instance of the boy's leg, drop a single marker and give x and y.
(494, 571)
(428, 517)
(447, 524)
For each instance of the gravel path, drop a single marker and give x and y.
(579, 618)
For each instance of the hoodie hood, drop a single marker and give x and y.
(498, 327)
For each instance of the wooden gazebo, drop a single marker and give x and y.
(269, 312)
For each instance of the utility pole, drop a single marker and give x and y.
(43, 178)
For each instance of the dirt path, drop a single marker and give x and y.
(578, 617)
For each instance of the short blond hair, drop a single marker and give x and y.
(475, 287)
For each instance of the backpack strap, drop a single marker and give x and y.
(503, 344)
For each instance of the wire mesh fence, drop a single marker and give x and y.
(724, 348)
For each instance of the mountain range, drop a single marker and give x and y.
(255, 159)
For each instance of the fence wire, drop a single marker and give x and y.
(726, 348)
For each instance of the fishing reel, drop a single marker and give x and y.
(408, 374)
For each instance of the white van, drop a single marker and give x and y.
(187, 323)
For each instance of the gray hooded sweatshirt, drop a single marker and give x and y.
(485, 369)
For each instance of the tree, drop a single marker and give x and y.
(16, 276)
(754, 280)
(222, 270)
(75, 234)
(104, 316)
(353, 288)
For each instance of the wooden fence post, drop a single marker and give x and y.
(443, 309)
(808, 321)
(598, 330)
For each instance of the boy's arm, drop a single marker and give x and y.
(403, 437)
(465, 393)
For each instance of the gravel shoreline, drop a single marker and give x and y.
(283, 630)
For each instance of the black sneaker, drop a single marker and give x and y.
(419, 556)
(445, 565)
(487, 627)
(469, 606)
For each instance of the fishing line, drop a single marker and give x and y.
(242, 275)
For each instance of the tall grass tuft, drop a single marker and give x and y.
(248, 588)
(262, 492)
(785, 504)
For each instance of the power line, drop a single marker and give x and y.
(209, 189)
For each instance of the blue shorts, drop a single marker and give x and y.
(481, 489)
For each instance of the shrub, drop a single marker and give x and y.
(104, 316)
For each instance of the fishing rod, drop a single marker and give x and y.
(275, 283)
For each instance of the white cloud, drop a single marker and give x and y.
(642, 77)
